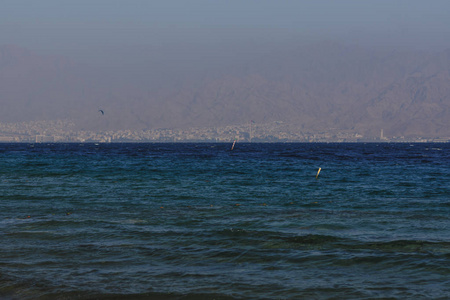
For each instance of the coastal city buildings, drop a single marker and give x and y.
(65, 131)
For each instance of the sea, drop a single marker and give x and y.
(202, 221)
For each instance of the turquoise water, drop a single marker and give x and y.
(199, 221)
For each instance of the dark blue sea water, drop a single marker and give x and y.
(198, 221)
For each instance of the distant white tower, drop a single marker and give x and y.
(381, 135)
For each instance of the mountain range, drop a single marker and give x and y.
(319, 87)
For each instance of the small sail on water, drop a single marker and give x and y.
(232, 147)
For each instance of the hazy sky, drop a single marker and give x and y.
(86, 28)
(151, 59)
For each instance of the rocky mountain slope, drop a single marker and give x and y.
(320, 87)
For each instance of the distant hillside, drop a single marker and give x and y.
(316, 88)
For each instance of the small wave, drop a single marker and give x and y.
(314, 240)
(410, 246)
(399, 246)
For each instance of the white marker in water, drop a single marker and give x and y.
(318, 173)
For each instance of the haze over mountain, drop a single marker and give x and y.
(318, 66)
(316, 87)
